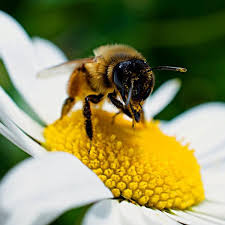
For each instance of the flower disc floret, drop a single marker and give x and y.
(142, 165)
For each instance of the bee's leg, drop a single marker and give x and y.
(114, 117)
(119, 105)
(87, 112)
(67, 106)
(143, 117)
(133, 123)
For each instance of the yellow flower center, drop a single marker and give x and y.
(142, 165)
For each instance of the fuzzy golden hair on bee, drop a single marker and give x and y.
(117, 72)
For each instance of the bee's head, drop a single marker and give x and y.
(134, 80)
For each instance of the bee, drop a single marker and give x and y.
(117, 72)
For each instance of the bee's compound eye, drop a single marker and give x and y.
(117, 77)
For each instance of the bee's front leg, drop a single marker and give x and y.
(114, 117)
(67, 106)
(87, 112)
(143, 117)
(119, 105)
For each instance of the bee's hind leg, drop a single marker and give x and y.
(87, 112)
(67, 106)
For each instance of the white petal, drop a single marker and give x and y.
(53, 89)
(161, 98)
(47, 53)
(214, 209)
(214, 184)
(48, 186)
(206, 217)
(202, 126)
(13, 133)
(157, 215)
(131, 213)
(214, 157)
(16, 218)
(18, 54)
(10, 136)
(112, 212)
(105, 212)
(177, 218)
(186, 219)
(192, 220)
(21, 119)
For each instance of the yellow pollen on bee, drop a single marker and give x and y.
(142, 165)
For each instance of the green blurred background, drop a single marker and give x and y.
(183, 33)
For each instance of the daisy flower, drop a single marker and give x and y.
(147, 175)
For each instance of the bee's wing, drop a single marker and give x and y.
(64, 68)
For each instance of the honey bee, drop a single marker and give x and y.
(117, 72)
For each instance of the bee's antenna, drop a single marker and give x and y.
(171, 68)
(129, 94)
